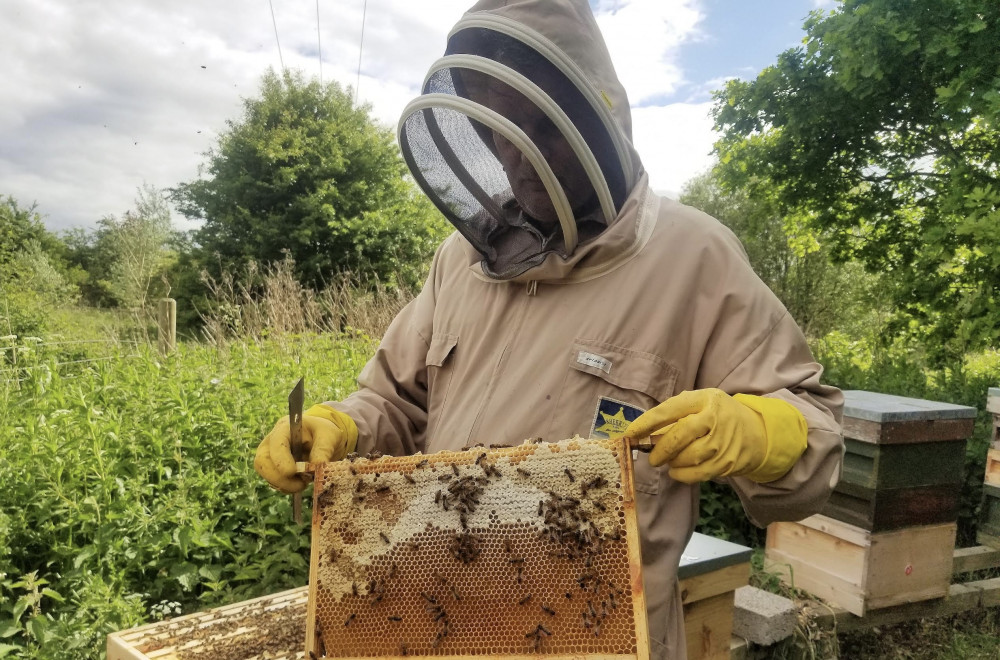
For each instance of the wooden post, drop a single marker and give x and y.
(167, 321)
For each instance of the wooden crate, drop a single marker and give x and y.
(861, 570)
(989, 517)
(710, 572)
(273, 625)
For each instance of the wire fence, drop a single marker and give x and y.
(18, 362)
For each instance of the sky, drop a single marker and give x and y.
(103, 96)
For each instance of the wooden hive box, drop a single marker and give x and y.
(710, 572)
(904, 461)
(989, 519)
(860, 570)
(993, 407)
(272, 626)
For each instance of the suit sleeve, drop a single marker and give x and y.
(755, 347)
(390, 404)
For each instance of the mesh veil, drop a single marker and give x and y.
(508, 150)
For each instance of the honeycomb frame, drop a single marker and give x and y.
(518, 552)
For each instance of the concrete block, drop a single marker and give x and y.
(762, 617)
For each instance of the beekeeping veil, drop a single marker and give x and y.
(521, 136)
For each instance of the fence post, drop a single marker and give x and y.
(167, 321)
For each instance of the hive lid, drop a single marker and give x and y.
(882, 408)
(705, 554)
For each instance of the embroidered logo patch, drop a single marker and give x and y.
(612, 417)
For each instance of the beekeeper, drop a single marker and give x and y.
(574, 300)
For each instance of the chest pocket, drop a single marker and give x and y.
(439, 376)
(607, 386)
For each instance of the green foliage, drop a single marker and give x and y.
(32, 274)
(305, 172)
(128, 484)
(882, 130)
(123, 262)
(797, 267)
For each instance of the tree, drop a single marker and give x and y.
(32, 272)
(883, 131)
(306, 173)
(820, 295)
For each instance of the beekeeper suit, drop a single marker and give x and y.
(574, 300)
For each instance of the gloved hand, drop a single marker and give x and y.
(704, 434)
(327, 435)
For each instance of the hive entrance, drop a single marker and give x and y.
(528, 550)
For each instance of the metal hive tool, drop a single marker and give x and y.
(515, 551)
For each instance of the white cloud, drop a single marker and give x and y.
(644, 37)
(674, 142)
(101, 96)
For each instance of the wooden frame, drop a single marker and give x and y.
(163, 640)
(631, 538)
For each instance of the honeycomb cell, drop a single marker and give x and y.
(514, 550)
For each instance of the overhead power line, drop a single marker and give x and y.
(361, 48)
(276, 40)
(319, 45)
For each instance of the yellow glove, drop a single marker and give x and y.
(704, 434)
(327, 435)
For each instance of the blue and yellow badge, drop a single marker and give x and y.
(612, 417)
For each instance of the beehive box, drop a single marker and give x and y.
(272, 627)
(989, 520)
(710, 572)
(904, 461)
(860, 570)
(993, 407)
(512, 551)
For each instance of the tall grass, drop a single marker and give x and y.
(127, 483)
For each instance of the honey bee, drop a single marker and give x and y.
(350, 618)
(523, 472)
(384, 537)
(422, 463)
(524, 601)
(395, 617)
(548, 610)
(409, 478)
(569, 474)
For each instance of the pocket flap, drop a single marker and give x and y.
(625, 368)
(440, 348)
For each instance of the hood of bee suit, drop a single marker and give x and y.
(522, 136)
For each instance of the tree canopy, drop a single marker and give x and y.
(307, 174)
(883, 130)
